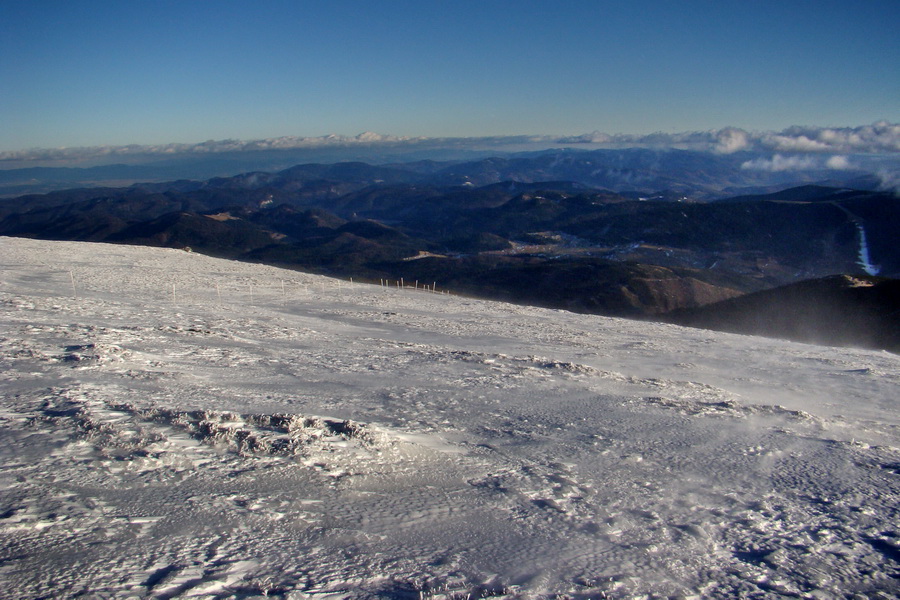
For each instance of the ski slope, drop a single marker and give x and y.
(178, 426)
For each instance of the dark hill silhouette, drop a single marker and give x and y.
(803, 193)
(838, 310)
(227, 237)
(590, 285)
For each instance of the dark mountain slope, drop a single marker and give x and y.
(803, 193)
(796, 234)
(838, 310)
(581, 285)
(345, 251)
(634, 168)
(292, 222)
(219, 236)
(879, 218)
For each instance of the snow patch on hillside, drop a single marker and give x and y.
(864, 261)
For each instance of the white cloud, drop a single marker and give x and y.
(881, 137)
(800, 162)
(800, 143)
(731, 139)
(890, 180)
(782, 163)
(878, 137)
(839, 163)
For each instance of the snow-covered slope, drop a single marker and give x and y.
(176, 426)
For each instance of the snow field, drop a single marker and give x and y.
(362, 442)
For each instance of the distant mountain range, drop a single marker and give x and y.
(545, 229)
(697, 175)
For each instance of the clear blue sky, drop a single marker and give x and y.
(82, 73)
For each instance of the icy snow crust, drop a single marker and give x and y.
(178, 426)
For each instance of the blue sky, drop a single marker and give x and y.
(147, 72)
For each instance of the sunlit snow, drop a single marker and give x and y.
(177, 426)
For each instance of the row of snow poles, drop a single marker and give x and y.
(250, 290)
(385, 283)
(400, 284)
(177, 294)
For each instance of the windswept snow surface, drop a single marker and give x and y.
(178, 426)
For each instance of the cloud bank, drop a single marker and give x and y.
(799, 162)
(207, 147)
(878, 138)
